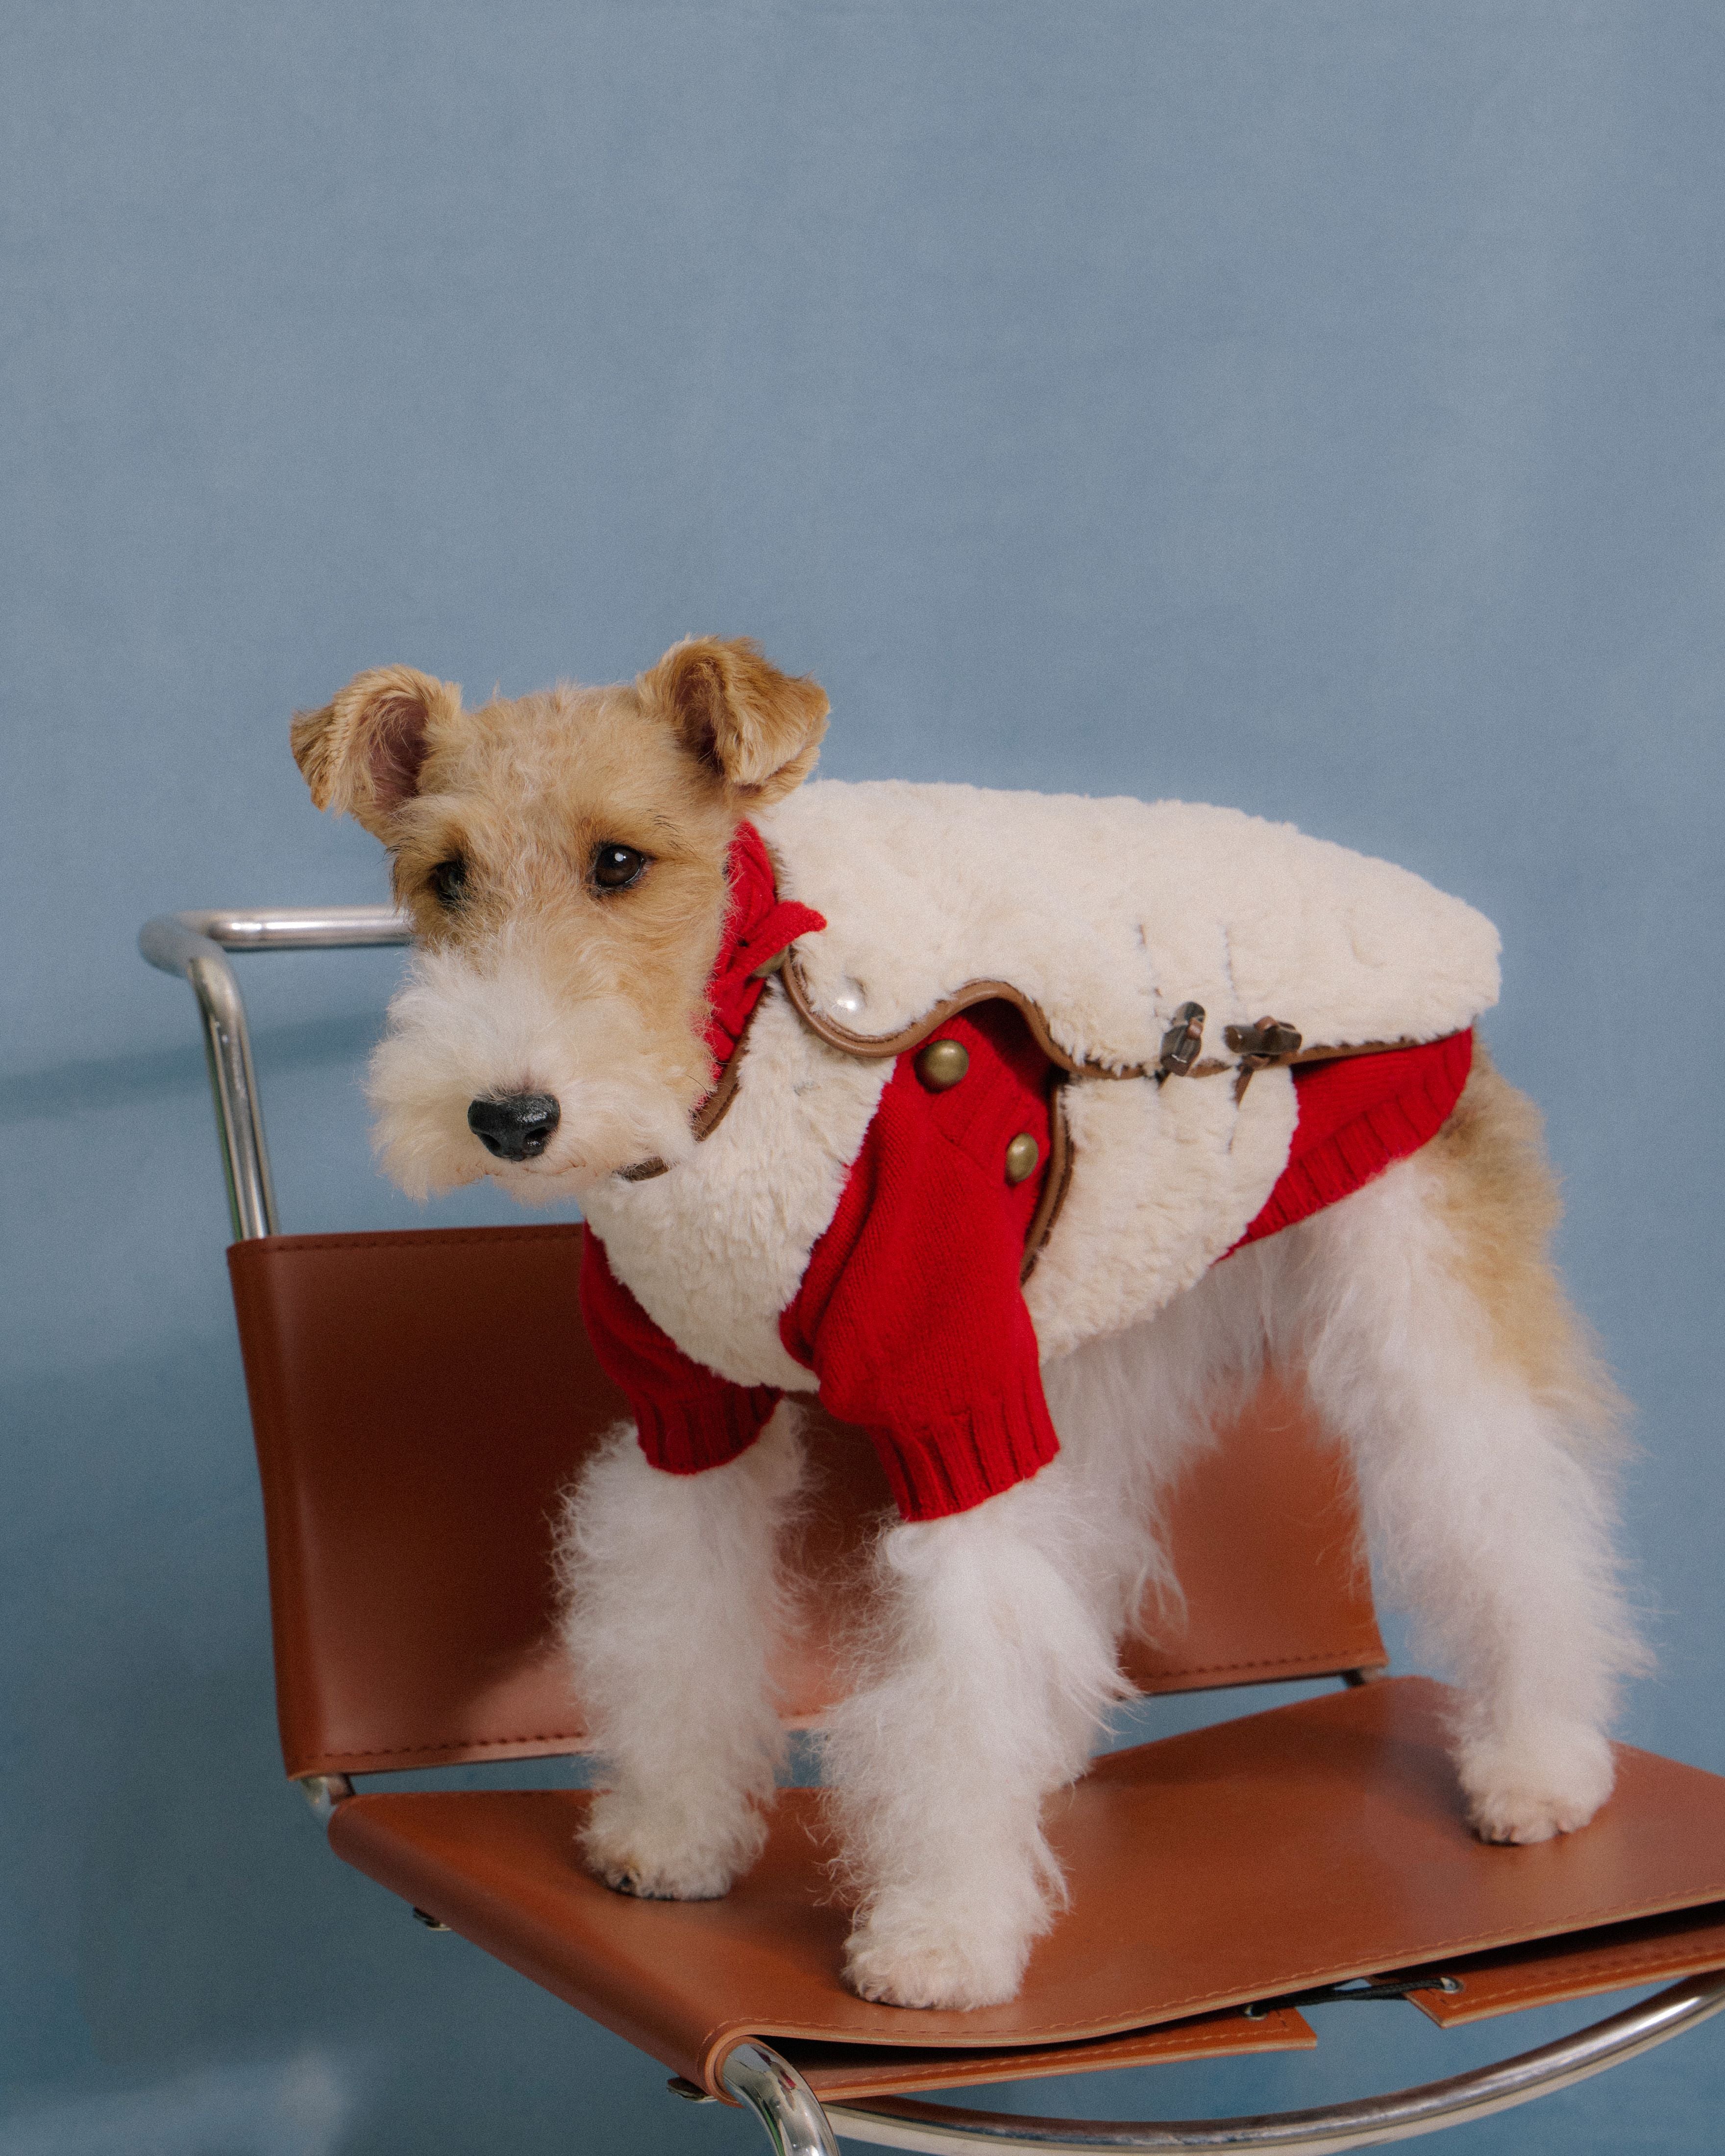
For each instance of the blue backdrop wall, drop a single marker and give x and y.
(1316, 408)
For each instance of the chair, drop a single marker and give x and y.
(418, 1399)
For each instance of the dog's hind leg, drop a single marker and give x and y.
(673, 1601)
(1438, 1342)
(1133, 1409)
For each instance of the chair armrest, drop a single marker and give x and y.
(194, 944)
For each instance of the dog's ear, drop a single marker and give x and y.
(363, 752)
(757, 730)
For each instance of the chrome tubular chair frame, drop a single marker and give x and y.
(942, 2130)
(195, 945)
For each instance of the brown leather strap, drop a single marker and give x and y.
(876, 1047)
(711, 1112)
(872, 1046)
(1056, 1182)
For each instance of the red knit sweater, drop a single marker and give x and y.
(910, 1313)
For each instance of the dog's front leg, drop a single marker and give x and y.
(980, 1696)
(672, 1604)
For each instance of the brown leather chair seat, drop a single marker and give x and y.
(1235, 1864)
(419, 1401)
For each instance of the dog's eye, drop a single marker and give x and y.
(614, 867)
(448, 881)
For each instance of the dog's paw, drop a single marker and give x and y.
(1546, 1779)
(922, 1964)
(658, 1854)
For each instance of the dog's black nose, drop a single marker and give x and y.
(518, 1128)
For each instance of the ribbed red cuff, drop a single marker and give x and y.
(947, 1467)
(1381, 1133)
(686, 1437)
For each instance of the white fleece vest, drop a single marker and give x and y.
(1108, 915)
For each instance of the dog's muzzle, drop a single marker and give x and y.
(517, 1127)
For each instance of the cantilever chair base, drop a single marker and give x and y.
(941, 2130)
(798, 2124)
(419, 1399)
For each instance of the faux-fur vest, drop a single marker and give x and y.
(1105, 916)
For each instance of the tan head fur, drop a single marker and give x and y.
(531, 976)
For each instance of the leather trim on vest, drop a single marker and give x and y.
(876, 1046)
(1055, 1181)
(711, 1112)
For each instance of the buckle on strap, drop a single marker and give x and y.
(1258, 1046)
(1181, 1043)
(1269, 1037)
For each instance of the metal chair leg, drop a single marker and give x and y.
(780, 2098)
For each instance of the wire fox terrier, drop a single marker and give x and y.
(963, 1111)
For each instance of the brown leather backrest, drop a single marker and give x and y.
(419, 1400)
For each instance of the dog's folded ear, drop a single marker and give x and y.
(755, 730)
(362, 753)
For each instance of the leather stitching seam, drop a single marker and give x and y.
(1603, 1962)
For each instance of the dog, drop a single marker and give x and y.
(905, 1095)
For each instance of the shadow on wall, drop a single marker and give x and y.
(97, 1082)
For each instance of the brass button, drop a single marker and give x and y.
(1022, 1156)
(942, 1064)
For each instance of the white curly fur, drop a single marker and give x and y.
(1486, 1504)
(984, 1682)
(1108, 913)
(673, 1599)
(461, 1028)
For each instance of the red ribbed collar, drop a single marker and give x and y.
(758, 927)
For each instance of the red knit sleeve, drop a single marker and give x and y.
(1357, 1116)
(910, 1312)
(687, 1417)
